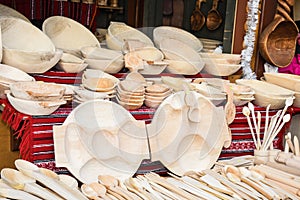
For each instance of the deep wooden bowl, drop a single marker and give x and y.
(277, 42)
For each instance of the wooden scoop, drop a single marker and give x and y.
(197, 18)
(214, 18)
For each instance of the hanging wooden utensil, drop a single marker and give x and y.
(214, 18)
(197, 18)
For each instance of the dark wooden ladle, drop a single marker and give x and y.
(197, 18)
(214, 18)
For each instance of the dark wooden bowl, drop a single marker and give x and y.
(277, 43)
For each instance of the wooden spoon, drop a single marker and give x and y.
(285, 119)
(266, 123)
(99, 189)
(246, 112)
(197, 18)
(11, 193)
(112, 185)
(214, 18)
(33, 171)
(21, 182)
(89, 192)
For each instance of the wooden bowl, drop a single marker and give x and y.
(31, 61)
(109, 66)
(37, 90)
(18, 34)
(118, 33)
(71, 67)
(288, 81)
(68, 34)
(30, 107)
(9, 74)
(7, 11)
(99, 53)
(277, 42)
(166, 32)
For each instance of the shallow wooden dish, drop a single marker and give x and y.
(152, 103)
(197, 144)
(109, 66)
(129, 105)
(71, 67)
(165, 32)
(288, 81)
(102, 84)
(110, 142)
(9, 74)
(96, 73)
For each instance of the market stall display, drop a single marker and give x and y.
(117, 123)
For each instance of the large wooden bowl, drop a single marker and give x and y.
(277, 42)
(68, 34)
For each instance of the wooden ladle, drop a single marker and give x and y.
(214, 18)
(197, 18)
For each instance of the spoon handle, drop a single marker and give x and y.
(39, 191)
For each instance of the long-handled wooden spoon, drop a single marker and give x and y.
(33, 171)
(285, 119)
(21, 182)
(11, 193)
(246, 112)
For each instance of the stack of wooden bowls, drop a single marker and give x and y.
(98, 85)
(155, 94)
(130, 94)
(242, 94)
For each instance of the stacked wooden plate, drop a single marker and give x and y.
(214, 94)
(242, 94)
(155, 94)
(267, 93)
(130, 94)
(288, 81)
(209, 45)
(71, 63)
(98, 85)
(221, 64)
(107, 60)
(36, 98)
